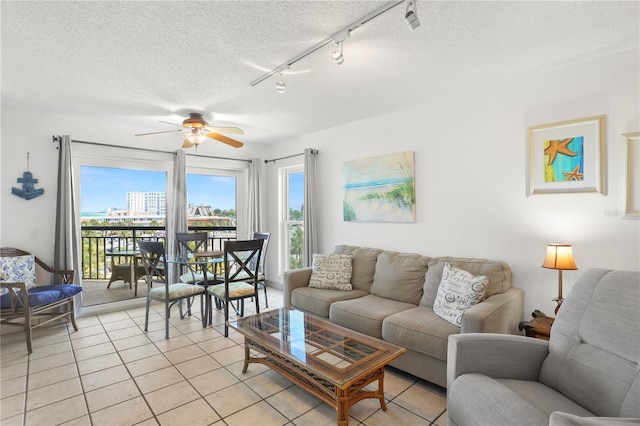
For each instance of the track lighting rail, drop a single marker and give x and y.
(334, 37)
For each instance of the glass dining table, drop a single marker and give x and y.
(207, 263)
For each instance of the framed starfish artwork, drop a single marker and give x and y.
(631, 169)
(567, 157)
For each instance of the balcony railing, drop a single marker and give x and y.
(98, 240)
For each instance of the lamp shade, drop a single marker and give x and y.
(559, 256)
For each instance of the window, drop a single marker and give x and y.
(212, 202)
(142, 180)
(292, 230)
(118, 206)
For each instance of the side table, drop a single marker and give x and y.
(539, 327)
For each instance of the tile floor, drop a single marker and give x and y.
(111, 372)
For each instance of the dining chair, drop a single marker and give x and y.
(155, 263)
(241, 258)
(188, 244)
(262, 280)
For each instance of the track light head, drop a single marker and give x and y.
(411, 15)
(337, 55)
(280, 84)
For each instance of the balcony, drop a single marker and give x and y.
(96, 265)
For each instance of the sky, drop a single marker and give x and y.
(104, 187)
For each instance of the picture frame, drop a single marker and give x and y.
(380, 189)
(567, 157)
(631, 175)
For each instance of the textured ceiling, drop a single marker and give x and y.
(140, 62)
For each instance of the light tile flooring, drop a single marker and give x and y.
(111, 372)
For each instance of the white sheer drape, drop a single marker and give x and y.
(310, 207)
(177, 219)
(65, 254)
(254, 198)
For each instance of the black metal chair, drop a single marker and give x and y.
(241, 258)
(262, 280)
(188, 244)
(155, 264)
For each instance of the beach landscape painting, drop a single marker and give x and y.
(379, 189)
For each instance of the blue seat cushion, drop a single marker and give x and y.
(46, 294)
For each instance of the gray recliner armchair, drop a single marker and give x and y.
(588, 372)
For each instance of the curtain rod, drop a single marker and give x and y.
(313, 151)
(55, 139)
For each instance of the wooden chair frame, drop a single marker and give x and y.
(21, 314)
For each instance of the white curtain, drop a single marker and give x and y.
(177, 218)
(65, 254)
(310, 207)
(254, 201)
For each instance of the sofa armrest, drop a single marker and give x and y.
(499, 313)
(500, 356)
(293, 279)
(558, 418)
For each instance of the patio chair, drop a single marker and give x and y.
(26, 304)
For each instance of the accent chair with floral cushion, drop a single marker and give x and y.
(27, 303)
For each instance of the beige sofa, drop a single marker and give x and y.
(392, 299)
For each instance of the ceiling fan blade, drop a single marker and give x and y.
(156, 133)
(166, 122)
(231, 142)
(187, 143)
(233, 130)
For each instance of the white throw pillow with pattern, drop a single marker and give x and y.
(458, 291)
(331, 271)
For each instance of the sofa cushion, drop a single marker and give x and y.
(560, 418)
(318, 301)
(331, 271)
(499, 274)
(419, 329)
(44, 295)
(400, 276)
(363, 265)
(512, 402)
(458, 291)
(365, 314)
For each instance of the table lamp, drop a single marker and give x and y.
(560, 257)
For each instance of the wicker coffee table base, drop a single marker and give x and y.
(341, 397)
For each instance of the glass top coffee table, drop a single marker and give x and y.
(332, 362)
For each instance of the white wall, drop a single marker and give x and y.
(470, 157)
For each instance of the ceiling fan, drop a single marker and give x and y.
(196, 130)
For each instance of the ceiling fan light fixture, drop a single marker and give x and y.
(195, 137)
(195, 121)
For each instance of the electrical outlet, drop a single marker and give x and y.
(33, 234)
